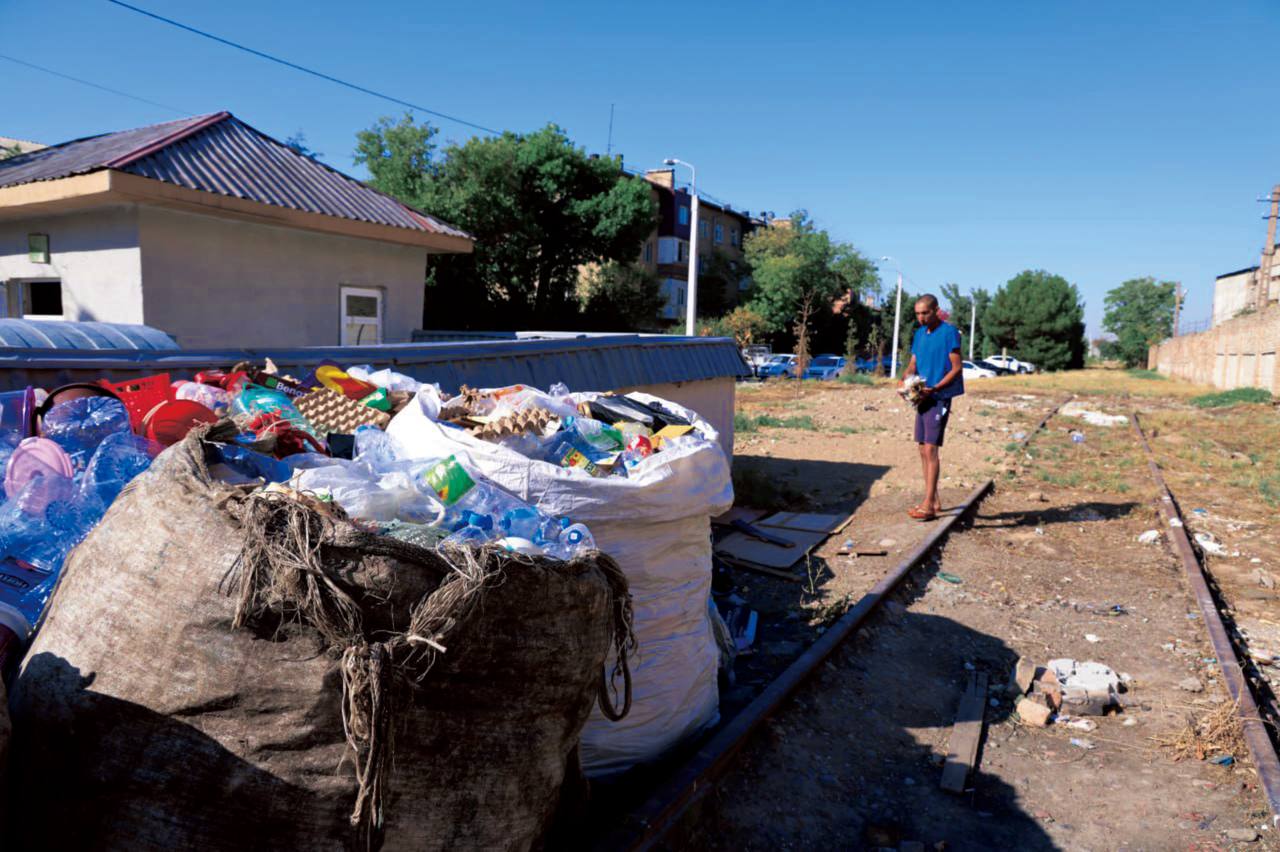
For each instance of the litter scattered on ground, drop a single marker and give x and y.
(1066, 688)
(1210, 545)
(1149, 537)
(1096, 418)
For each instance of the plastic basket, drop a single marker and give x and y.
(141, 396)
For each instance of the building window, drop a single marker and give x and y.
(361, 316)
(35, 299)
(684, 214)
(683, 252)
(668, 249)
(733, 235)
(703, 227)
(648, 251)
(719, 234)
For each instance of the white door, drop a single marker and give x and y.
(361, 316)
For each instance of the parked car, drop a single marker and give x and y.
(973, 371)
(1011, 363)
(868, 365)
(825, 367)
(994, 367)
(756, 356)
(779, 367)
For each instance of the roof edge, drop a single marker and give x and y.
(167, 140)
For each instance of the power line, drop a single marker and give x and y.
(165, 107)
(304, 69)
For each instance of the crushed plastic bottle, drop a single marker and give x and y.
(114, 464)
(80, 425)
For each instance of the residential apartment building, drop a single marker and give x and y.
(665, 252)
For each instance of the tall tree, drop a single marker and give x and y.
(399, 156)
(1140, 314)
(961, 305)
(538, 206)
(298, 142)
(621, 297)
(1039, 317)
(797, 265)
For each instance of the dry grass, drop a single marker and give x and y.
(1236, 450)
(1216, 732)
(1098, 381)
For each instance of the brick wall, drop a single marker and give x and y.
(1237, 353)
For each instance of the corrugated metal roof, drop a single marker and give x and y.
(220, 154)
(62, 335)
(600, 362)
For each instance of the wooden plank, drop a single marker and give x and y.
(807, 521)
(962, 750)
(744, 548)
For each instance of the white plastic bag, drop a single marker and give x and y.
(656, 523)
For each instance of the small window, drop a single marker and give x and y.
(684, 252)
(719, 234)
(361, 316)
(40, 299)
(703, 229)
(733, 236)
(684, 215)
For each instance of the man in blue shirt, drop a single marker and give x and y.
(935, 357)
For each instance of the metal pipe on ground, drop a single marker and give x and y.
(1256, 738)
(646, 826)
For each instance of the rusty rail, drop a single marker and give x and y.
(1256, 737)
(645, 826)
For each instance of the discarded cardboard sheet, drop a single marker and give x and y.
(743, 548)
(738, 513)
(809, 522)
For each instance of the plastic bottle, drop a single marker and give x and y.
(578, 538)
(602, 437)
(522, 522)
(24, 593)
(255, 399)
(80, 425)
(213, 398)
(9, 441)
(115, 463)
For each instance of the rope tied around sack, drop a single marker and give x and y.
(281, 571)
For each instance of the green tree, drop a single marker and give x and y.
(961, 305)
(1140, 314)
(743, 324)
(798, 270)
(399, 156)
(1039, 317)
(298, 142)
(621, 297)
(537, 205)
(7, 151)
(718, 282)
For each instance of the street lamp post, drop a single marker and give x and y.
(691, 294)
(897, 319)
(973, 321)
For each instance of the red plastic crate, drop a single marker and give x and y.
(141, 395)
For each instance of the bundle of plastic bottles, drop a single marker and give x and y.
(56, 487)
(432, 500)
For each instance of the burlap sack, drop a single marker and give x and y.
(221, 670)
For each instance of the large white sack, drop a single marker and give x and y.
(656, 524)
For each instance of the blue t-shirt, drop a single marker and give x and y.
(933, 357)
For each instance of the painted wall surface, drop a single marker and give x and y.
(94, 253)
(1240, 352)
(1230, 292)
(219, 282)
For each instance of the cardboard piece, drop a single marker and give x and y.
(743, 548)
(809, 522)
(738, 513)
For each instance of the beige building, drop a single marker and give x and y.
(665, 252)
(215, 233)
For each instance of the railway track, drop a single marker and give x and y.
(645, 827)
(1262, 748)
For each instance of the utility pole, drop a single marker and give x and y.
(1177, 306)
(1262, 283)
(691, 289)
(897, 320)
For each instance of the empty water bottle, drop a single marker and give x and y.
(80, 425)
(115, 463)
(522, 522)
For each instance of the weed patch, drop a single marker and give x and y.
(1144, 374)
(1237, 396)
(856, 379)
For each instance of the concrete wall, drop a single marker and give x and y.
(1230, 294)
(219, 282)
(1240, 352)
(95, 255)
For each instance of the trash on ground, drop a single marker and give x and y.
(950, 578)
(1096, 418)
(1067, 687)
(1149, 537)
(1210, 545)
(1081, 742)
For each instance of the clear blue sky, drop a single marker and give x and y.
(1100, 141)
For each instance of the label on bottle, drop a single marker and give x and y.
(570, 457)
(448, 479)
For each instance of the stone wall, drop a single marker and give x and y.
(1240, 352)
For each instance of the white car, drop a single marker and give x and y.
(973, 371)
(1011, 363)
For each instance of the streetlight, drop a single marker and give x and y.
(973, 320)
(691, 294)
(897, 318)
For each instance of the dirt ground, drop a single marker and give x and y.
(1050, 566)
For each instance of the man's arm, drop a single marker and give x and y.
(910, 371)
(957, 367)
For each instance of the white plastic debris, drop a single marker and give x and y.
(1097, 418)
(1210, 545)
(1149, 537)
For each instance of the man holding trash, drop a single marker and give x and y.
(935, 357)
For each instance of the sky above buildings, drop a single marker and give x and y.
(1099, 141)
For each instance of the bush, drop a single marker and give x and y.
(1232, 397)
(857, 379)
(747, 423)
(1144, 374)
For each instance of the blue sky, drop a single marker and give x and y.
(1100, 141)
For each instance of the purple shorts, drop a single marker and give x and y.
(931, 421)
